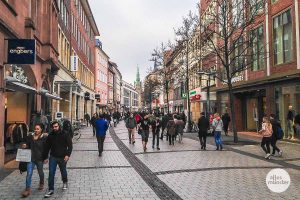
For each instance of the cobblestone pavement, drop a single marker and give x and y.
(182, 171)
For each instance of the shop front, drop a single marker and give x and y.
(195, 97)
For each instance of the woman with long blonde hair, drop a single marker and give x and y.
(266, 132)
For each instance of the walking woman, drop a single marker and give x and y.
(171, 127)
(36, 143)
(144, 130)
(266, 132)
(217, 125)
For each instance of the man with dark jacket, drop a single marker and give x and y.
(93, 123)
(164, 122)
(203, 125)
(87, 118)
(131, 126)
(275, 127)
(226, 120)
(60, 146)
(101, 128)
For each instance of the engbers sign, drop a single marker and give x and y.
(21, 51)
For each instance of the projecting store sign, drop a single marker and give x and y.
(21, 51)
(74, 64)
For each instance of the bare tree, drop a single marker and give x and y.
(165, 73)
(184, 35)
(228, 37)
(151, 84)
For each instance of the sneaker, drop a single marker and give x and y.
(280, 153)
(133, 142)
(65, 186)
(49, 194)
(157, 148)
(267, 156)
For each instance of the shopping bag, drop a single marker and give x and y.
(23, 155)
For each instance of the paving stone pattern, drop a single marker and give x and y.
(182, 171)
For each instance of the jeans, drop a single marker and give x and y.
(53, 162)
(30, 168)
(265, 142)
(218, 139)
(155, 135)
(100, 140)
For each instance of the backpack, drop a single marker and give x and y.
(279, 133)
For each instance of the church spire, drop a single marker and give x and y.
(138, 79)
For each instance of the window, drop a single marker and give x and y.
(282, 38)
(237, 13)
(257, 40)
(238, 55)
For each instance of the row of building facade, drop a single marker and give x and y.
(270, 86)
(72, 75)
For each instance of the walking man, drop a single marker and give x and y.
(93, 123)
(101, 128)
(226, 120)
(203, 125)
(131, 125)
(87, 119)
(60, 146)
(164, 122)
(276, 127)
(155, 125)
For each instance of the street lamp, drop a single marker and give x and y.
(209, 74)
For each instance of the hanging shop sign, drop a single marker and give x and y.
(87, 96)
(97, 96)
(21, 51)
(59, 115)
(74, 64)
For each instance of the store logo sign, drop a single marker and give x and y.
(74, 64)
(21, 51)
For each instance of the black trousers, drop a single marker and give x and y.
(100, 140)
(273, 144)
(94, 130)
(265, 144)
(155, 135)
(202, 138)
(171, 139)
(162, 132)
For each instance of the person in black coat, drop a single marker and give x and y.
(93, 123)
(203, 125)
(226, 120)
(275, 126)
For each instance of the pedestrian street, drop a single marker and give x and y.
(182, 171)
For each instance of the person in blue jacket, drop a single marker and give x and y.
(101, 128)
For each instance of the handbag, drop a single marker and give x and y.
(22, 167)
(23, 155)
(140, 131)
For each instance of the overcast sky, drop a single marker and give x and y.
(131, 29)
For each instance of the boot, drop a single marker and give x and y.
(41, 186)
(26, 192)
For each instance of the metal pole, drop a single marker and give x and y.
(208, 95)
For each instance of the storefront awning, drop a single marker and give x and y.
(15, 85)
(49, 95)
